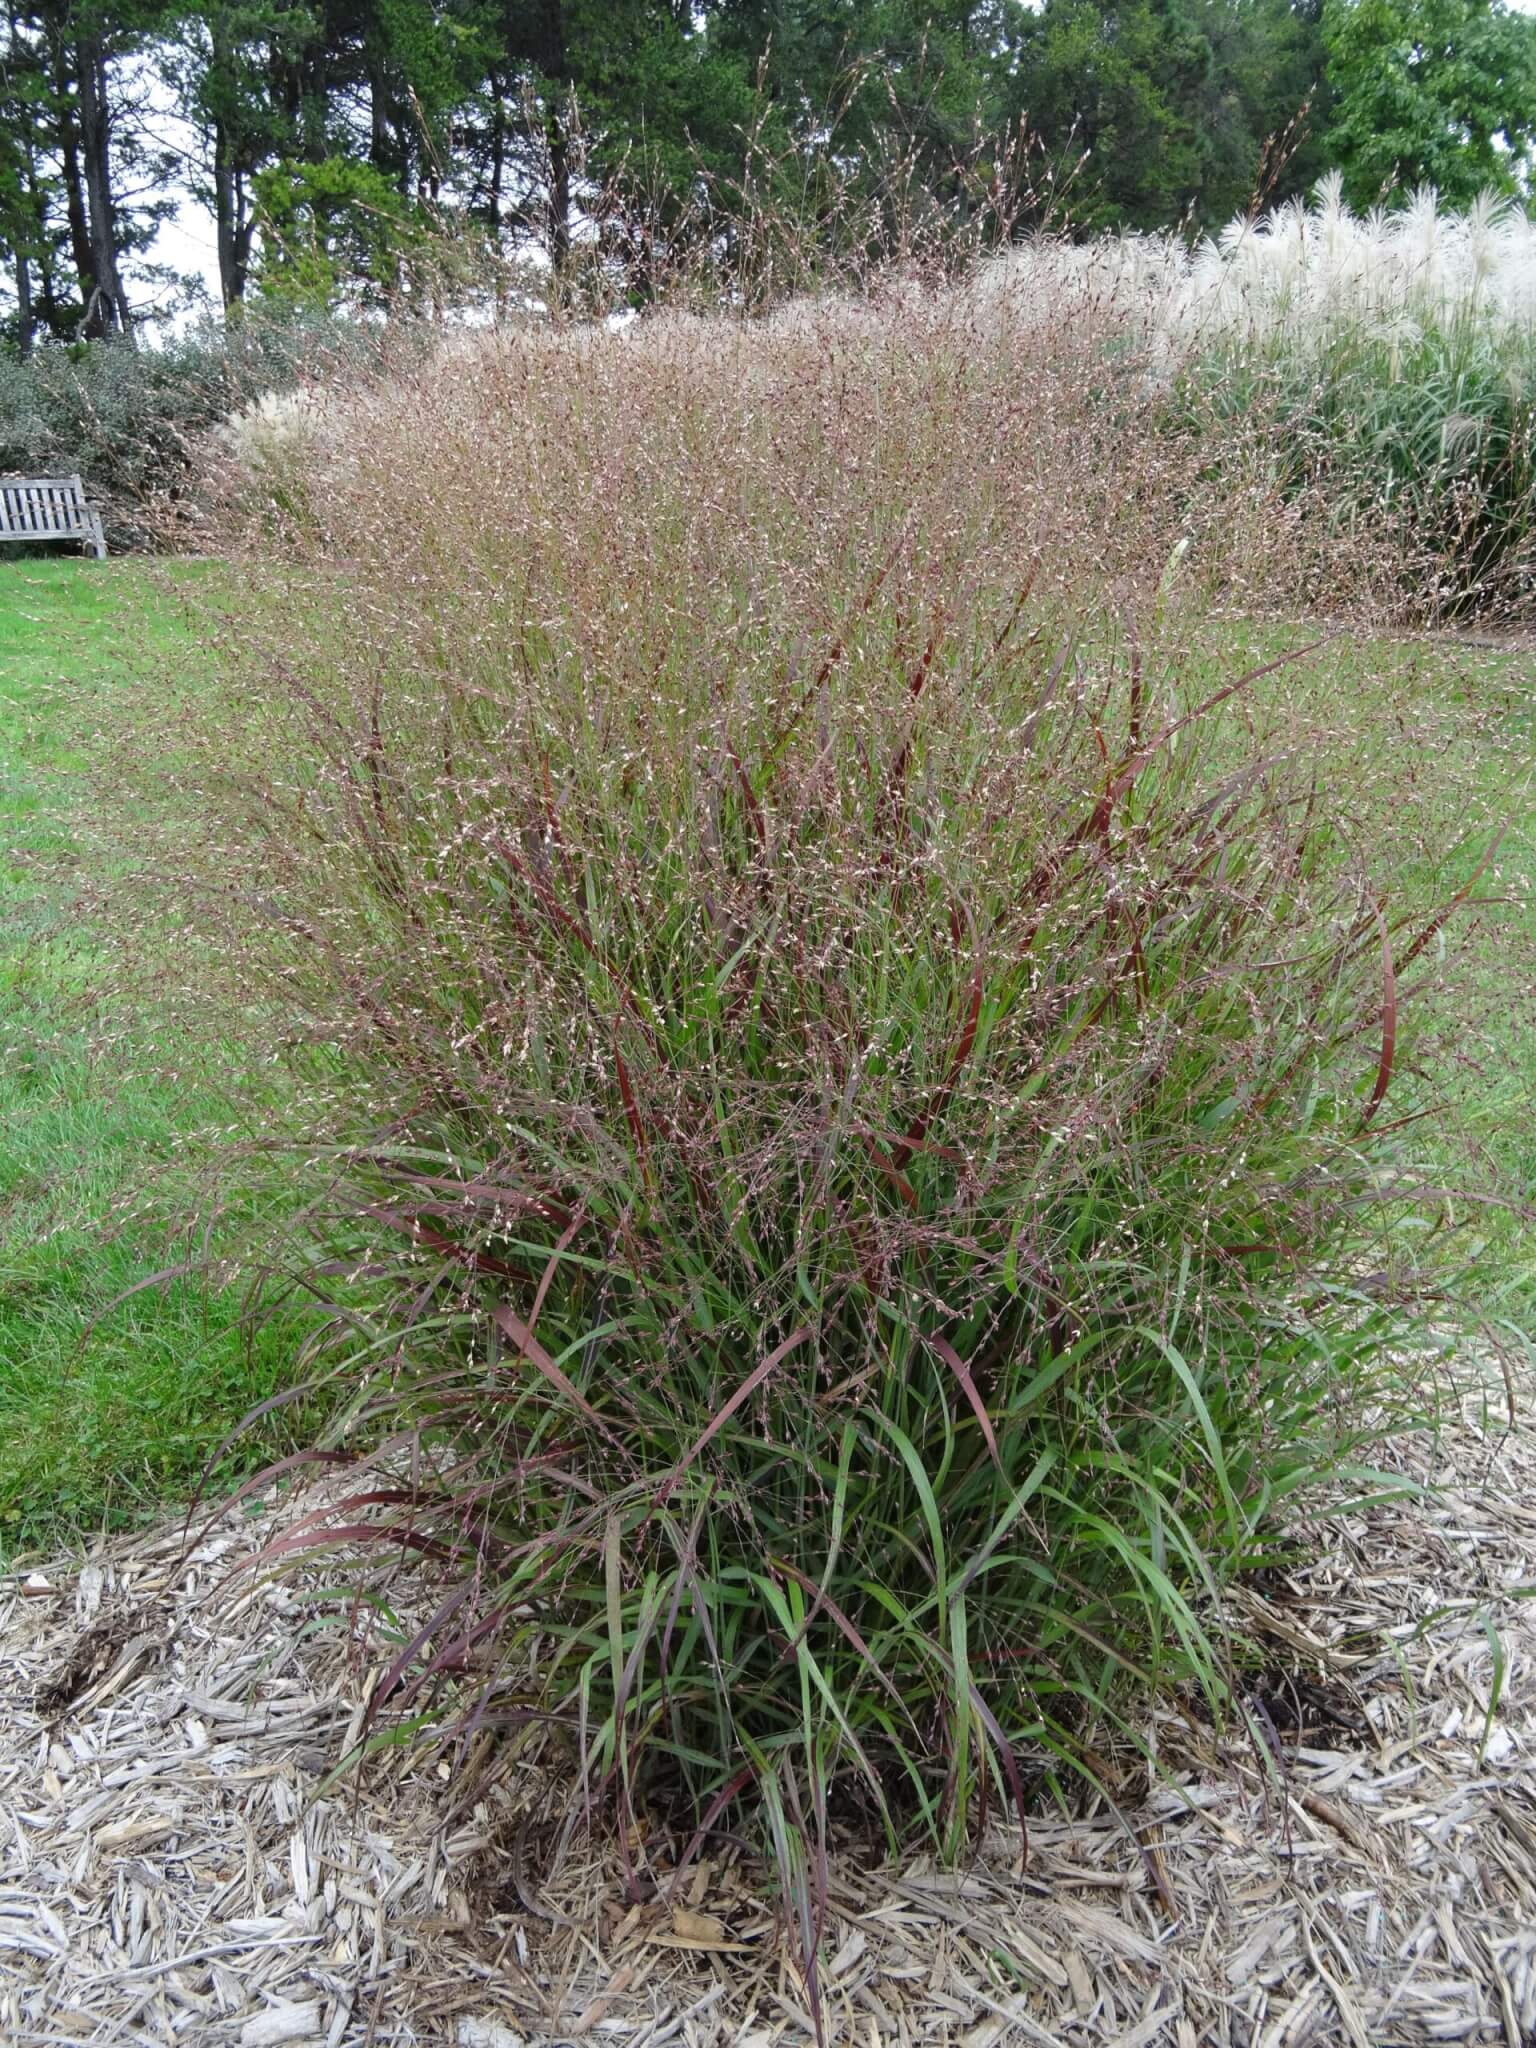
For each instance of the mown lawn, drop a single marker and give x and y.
(111, 1400)
(1476, 746)
(1497, 688)
(108, 1405)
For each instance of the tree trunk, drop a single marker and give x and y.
(228, 187)
(559, 240)
(45, 298)
(553, 59)
(108, 296)
(245, 233)
(23, 304)
(26, 213)
(498, 155)
(29, 217)
(74, 195)
(232, 220)
(381, 143)
(224, 216)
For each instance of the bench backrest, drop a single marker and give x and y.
(50, 508)
(44, 508)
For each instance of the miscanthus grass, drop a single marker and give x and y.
(1387, 362)
(865, 1106)
(1309, 269)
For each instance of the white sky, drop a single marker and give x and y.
(188, 243)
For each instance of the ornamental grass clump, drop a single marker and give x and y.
(1385, 362)
(856, 1087)
(1395, 360)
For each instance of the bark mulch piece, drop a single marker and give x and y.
(1358, 1868)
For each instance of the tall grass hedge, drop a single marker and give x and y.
(861, 1099)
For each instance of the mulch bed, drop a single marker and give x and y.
(176, 1867)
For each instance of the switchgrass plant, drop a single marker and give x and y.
(863, 1105)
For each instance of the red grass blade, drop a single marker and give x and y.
(1388, 1024)
(493, 1194)
(872, 591)
(1455, 903)
(1134, 733)
(353, 1532)
(562, 1246)
(919, 1128)
(1096, 824)
(257, 1482)
(529, 1347)
(434, 1241)
(401, 1663)
(749, 798)
(962, 1373)
(893, 1173)
(989, 1721)
(632, 1113)
(822, 1600)
(744, 1392)
(712, 1812)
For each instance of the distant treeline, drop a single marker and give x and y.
(327, 138)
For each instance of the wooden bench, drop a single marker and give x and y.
(50, 508)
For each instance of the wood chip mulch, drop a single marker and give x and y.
(1358, 1867)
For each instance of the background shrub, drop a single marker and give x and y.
(131, 421)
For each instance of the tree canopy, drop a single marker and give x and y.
(326, 138)
(1430, 92)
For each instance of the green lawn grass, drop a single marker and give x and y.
(1497, 690)
(108, 1405)
(1477, 748)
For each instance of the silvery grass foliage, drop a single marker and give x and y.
(273, 451)
(863, 1098)
(1390, 359)
(1303, 275)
